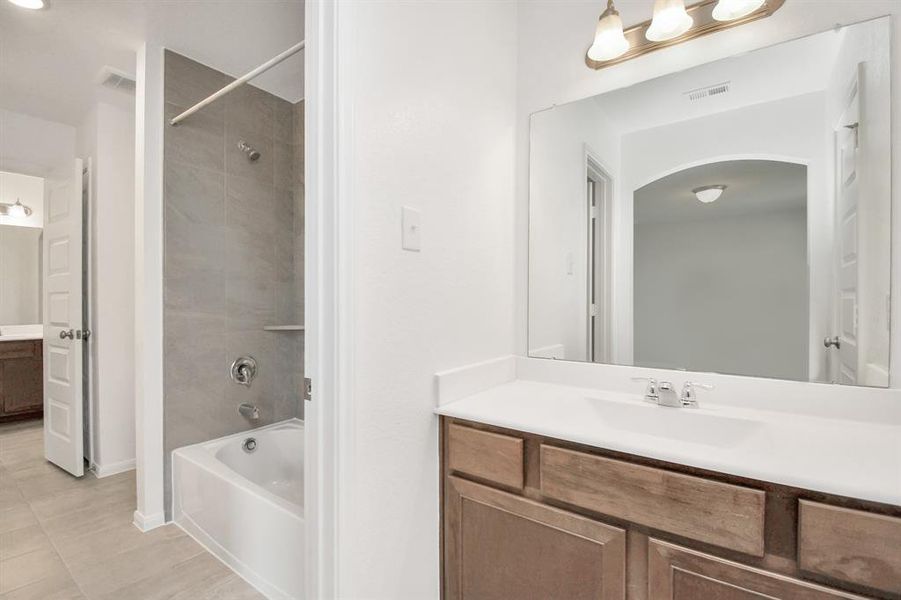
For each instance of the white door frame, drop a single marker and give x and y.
(599, 210)
(149, 450)
(328, 291)
(328, 295)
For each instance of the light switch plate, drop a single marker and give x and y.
(411, 231)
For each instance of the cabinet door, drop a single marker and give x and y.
(22, 382)
(676, 573)
(501, 546)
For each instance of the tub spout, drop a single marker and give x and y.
(249, 411)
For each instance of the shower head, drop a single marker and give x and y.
(251, 152)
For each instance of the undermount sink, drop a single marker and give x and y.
(683, 424)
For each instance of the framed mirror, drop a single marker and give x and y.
(732, 218)
(20, 275)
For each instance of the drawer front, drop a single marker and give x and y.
(725, 515)
(850, 545)
(491, 456)
(676, 573)
(23, 349)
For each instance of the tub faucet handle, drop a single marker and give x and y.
(244, 370)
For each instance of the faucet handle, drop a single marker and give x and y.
(651, 394)
(689, 395)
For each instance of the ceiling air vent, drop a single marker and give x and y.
(116, 80)
(706, 92)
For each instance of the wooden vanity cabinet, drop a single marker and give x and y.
(527, 517)
(21, 380)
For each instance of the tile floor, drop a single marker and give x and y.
(64, 538)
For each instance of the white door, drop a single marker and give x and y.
(845, 343)
(62, 259)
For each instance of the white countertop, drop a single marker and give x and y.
(15, 333)
(855, 458)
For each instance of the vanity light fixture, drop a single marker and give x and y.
(15, 211)
(709, 193)
(670, 21)
(729, 10)
(609, 41)
(30, 4)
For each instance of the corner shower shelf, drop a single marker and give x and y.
(283, 328)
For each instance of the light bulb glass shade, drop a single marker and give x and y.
(709, 193)
(729, 10)
(609, 41)
(31, 4)
(17, 210)
(670, 20)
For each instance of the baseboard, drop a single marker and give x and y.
(102, 471)
(146, 523)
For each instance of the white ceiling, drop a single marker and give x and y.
(753, 187)
(50, 59)
(785, 70)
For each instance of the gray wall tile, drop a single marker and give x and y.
(231, 230)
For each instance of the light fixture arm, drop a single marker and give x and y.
(611, 10)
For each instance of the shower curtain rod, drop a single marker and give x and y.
(240, 81)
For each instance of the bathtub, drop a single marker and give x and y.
(247, 507)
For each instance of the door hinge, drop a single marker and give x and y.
(592, 310)
(307, 388)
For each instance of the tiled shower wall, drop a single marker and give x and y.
(233, 260)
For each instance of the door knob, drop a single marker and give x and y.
(832, 341)
(67, 334)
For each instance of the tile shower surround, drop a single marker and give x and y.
(233, 256)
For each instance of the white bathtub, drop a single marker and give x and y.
(247, 507)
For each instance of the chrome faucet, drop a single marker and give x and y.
(663, 393)
(688, 397)
(650, 392)
(249, 411)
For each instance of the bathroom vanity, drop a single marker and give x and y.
(562, 491)
(21, 379)
(718, 231)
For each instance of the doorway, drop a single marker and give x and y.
(599, 201)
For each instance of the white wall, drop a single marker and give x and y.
(558, 235)
(553, 37)
(20, 275)
(34, 146)
(790, 129)
(28, 189)
(740, 306)
(107, 139)
(429, 121)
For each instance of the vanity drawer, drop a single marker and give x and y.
(850, 545)
(725, 515)
(490, 456)
(22, 349)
